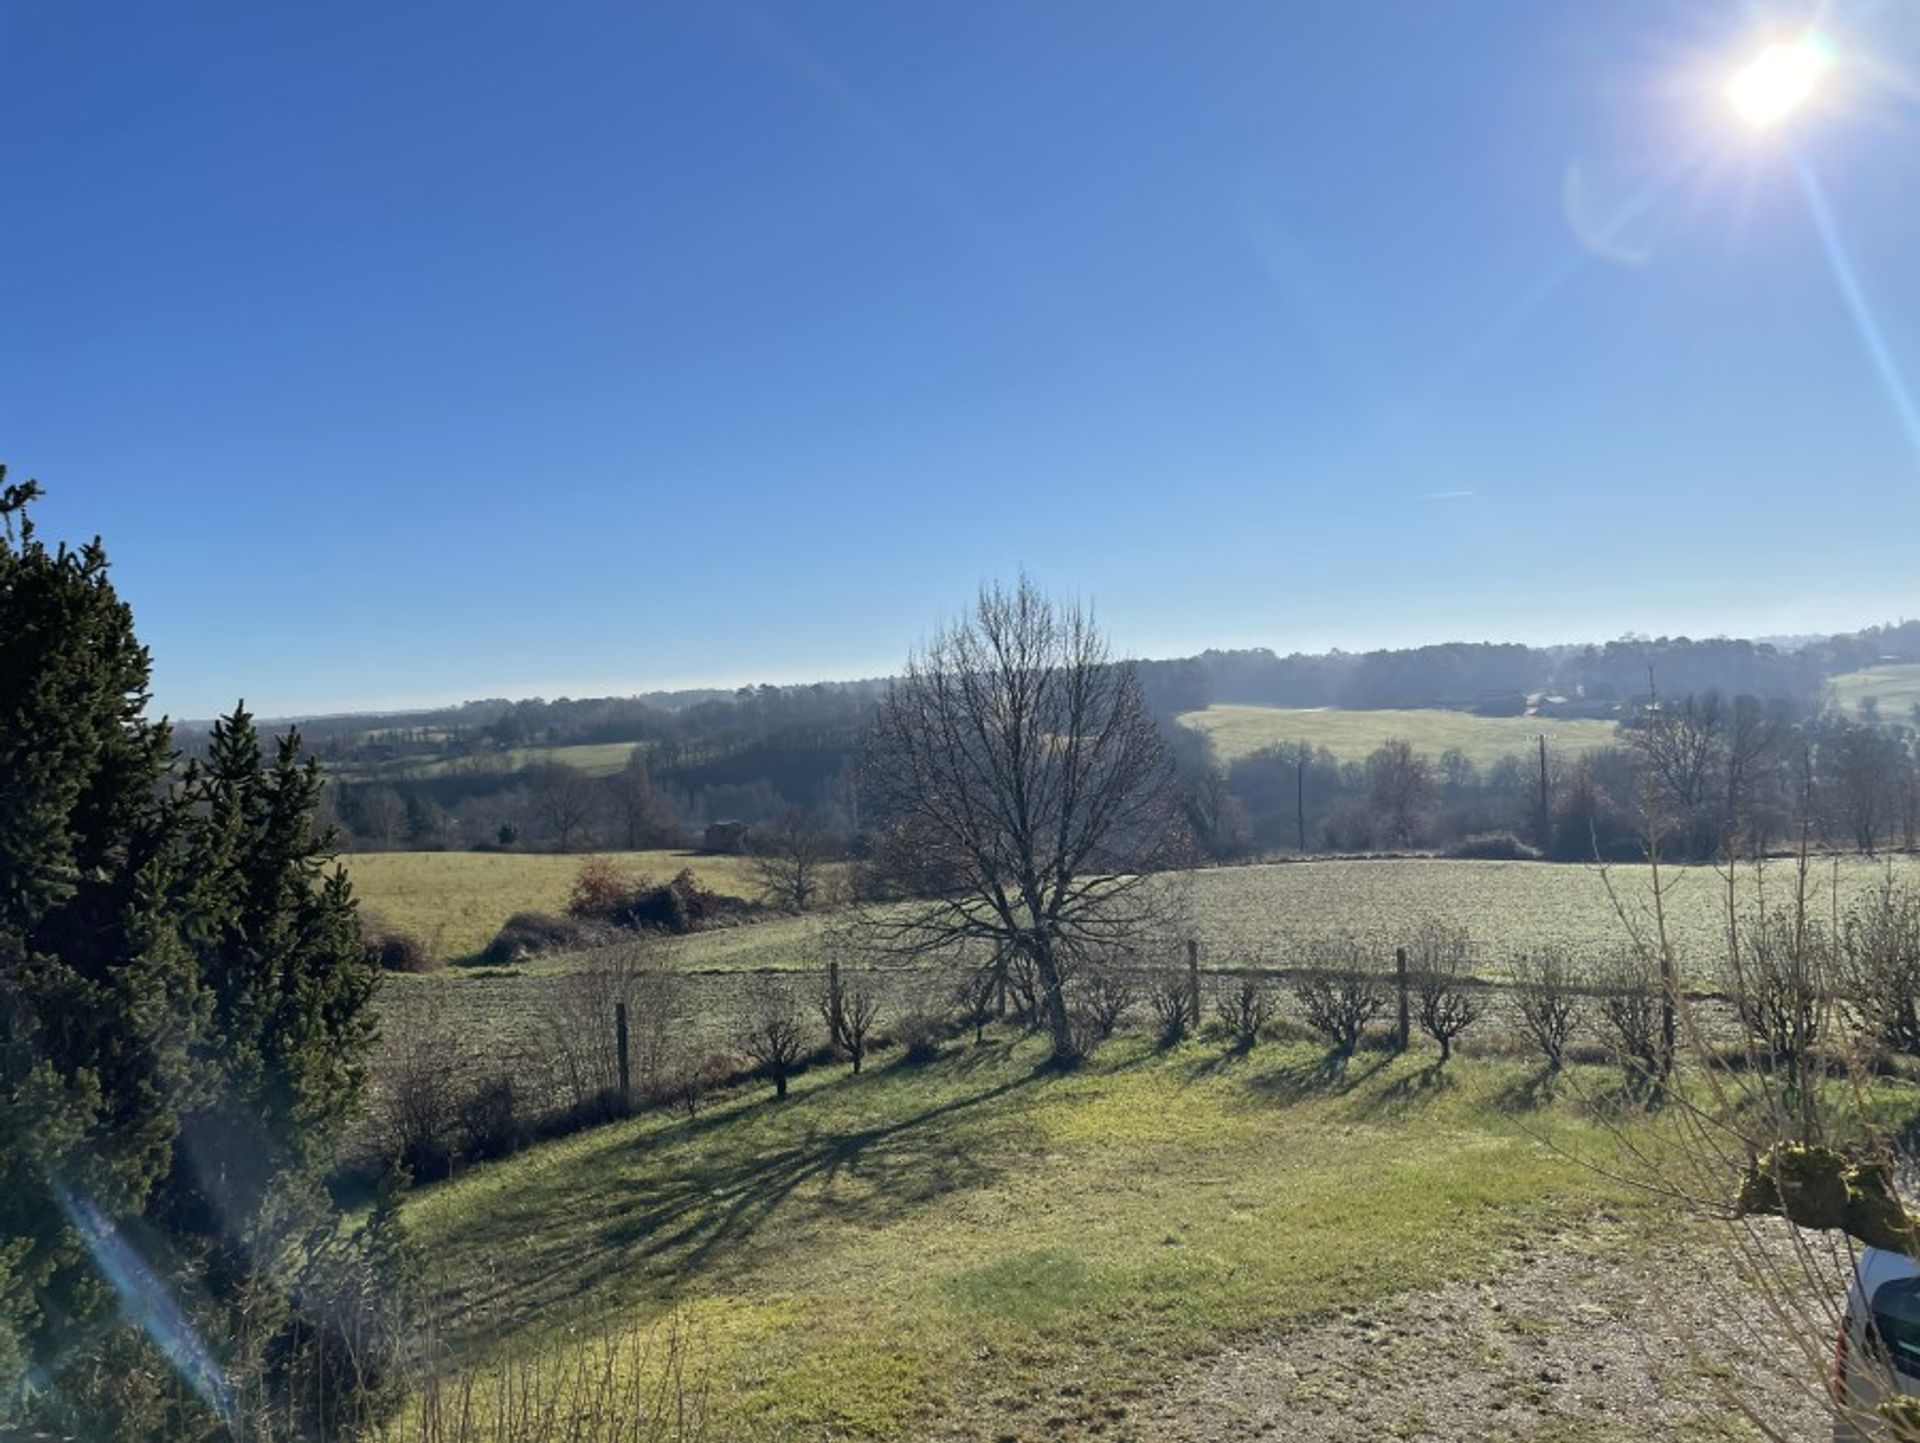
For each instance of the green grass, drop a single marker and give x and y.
(455, 901)
(1015, 1254)
(1897, 689)
(596, 759)
(1236, 731)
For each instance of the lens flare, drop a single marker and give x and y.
(1780, 80)
(146, 1303)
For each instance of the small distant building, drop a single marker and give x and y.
(726, 837)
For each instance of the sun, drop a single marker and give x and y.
(1779, 80)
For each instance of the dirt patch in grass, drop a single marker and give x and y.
(1597, 1333)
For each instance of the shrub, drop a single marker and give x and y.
(1880, 950)
(424, 1086)
(1779, 983)
(1339, 1001)
(526, 934)
(1493, 847)
(1630, 1006)
(1105, 997)
(488, 1123)
(601, 891)
(974, 998)
(1023, 988)
(398, 951)
(1449, 1005)
(918, 1032)
(686, 1082)
(1545, 992)
(1348, 827)
(679, 905)
(1244, 1006)
(578, 1028)
(1167, 997)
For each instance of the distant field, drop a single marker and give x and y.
(596, 759)
(1236, 731)
(1267, 917)
(1897, 688)
(1274, 915)
(455, 901)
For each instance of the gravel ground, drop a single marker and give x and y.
(1594, 1334)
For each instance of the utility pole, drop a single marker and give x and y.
(1403, 1031)
(1300, 796)
(620, 1044)
(1546, 811)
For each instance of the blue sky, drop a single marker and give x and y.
(411, 352)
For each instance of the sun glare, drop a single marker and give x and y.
(1779, 80)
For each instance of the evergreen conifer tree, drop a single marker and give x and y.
(184, 1018)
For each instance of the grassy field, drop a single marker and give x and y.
(1275, 914)
(975, 1250)
(1236, 731)
(596, 759)
(1897, 688)
(455, 901)
(1244, 917)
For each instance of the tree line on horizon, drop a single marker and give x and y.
(1732, 774)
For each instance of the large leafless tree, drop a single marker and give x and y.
(791, 861)
(561, 800)
(1025, 797)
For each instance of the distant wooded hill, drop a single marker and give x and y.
(652, 770)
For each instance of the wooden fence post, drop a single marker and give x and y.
(1401, 1035)
(620, 1042)
(1193, 981)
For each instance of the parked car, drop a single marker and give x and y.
(1877, 1353)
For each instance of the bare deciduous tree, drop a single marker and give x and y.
(562, 801)
(775, 1038)
(382, 814)
(1448, 1002)
(1400, 789)
(1634, 1000)
(849, 1013)
(1218, 820)
(1025, 795)
(1340, 999)
(790, 861)
(1546, 994)
(1244, 1006)
(641, 813)
(1780, 962)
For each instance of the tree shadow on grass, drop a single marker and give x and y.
(970, 1056)
(729, 1204)
(1332, 1074)
(1536, 1090)
(1404, 1093)
(1220, 1061)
